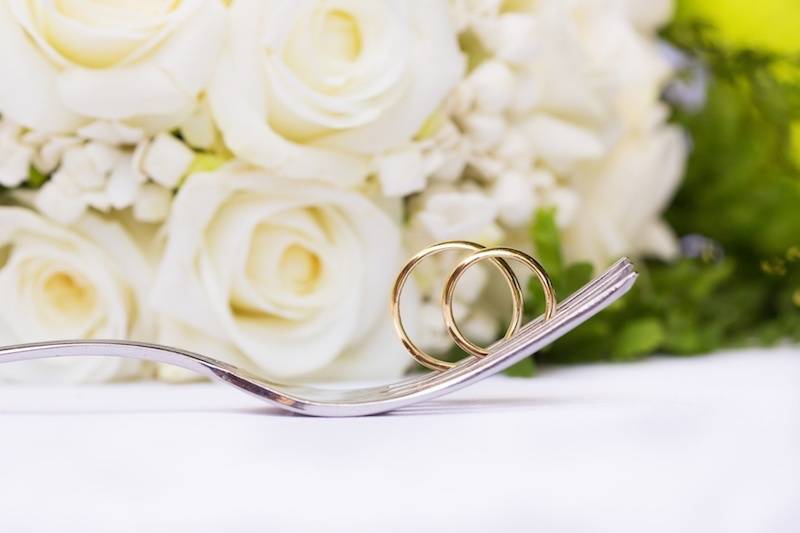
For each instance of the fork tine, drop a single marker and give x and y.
(580, 306)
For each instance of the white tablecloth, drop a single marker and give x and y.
(675, 445)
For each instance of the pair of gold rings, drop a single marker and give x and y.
(498, 257)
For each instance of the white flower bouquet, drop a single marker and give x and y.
(244, 178)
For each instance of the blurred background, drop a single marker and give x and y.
(738, 210)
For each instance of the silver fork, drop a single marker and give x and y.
(583, 304)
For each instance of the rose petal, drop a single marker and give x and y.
(29, 97)
(209, 232)
(123, 93)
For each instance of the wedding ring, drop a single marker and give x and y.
(492, 254)
(417, 353)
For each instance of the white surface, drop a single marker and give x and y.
(674, 445)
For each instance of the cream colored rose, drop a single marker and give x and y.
(289, 278)
(623, 199)
(310, 89)
(649, 16)
(58, 283)
(67, 61)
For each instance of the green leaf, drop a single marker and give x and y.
(472, 46)
(546, 241)
(638, 338)
(35, 178)
(206, 162)
(574, 277)
(524, 369)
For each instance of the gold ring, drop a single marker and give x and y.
(426, 359)
(493, 254)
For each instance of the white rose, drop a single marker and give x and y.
(634, 65)
(68, 61)
(448, 215)
(15, 155)
(649, 16)
(311, 89)
(289, 278)
(588, 75)
(59, 283)
(622, 200)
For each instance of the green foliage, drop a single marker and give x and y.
(638, 337)
(742, 185)
(546, 240)
(688, 307)
(524, 369)
(35, 178)
(741, 194)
